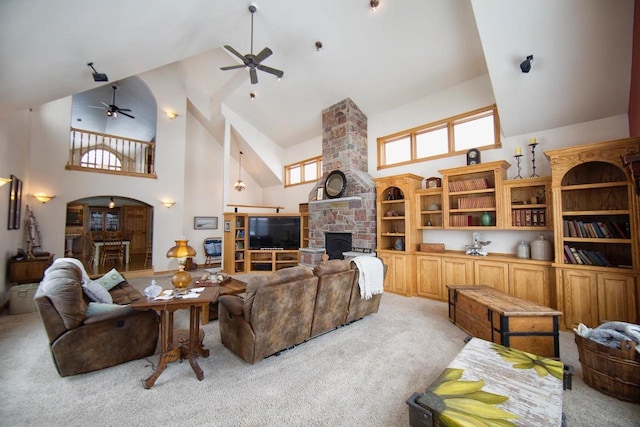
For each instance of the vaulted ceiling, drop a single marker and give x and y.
(406, 50)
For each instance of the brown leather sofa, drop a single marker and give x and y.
(82, 344)
(290, 306)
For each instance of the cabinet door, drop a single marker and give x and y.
(530, 282)
(429, 278)
(398, 274)
(456, 271)
(580, 298)
(491, 273)
(616, 298)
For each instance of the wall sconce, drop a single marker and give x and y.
(4, 181)
(168, 204)
(525, 65)
(171, 114)
(374, 4)
(43, 198)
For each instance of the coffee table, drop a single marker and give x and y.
(229, 287)
(177, 345)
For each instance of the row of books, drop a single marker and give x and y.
(469, 184)
(476, 202)
(596, 229)
(240, 234)
(460, 220)
(584, 257)
(529, 217)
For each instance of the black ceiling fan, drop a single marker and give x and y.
(112, 109)
(252, 61)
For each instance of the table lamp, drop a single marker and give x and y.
(181, 251)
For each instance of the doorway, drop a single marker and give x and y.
(88, 218)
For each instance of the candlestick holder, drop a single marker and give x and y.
(533, 159)
(518, 156)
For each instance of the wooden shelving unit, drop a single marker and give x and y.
(271, 260)
(596, 236)
(429, 208)
(528, 204)
(471, 192)
(235, 243)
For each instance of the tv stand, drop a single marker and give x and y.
(271, 260)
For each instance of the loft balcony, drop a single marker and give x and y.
(110, 154)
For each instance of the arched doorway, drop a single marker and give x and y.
(89, 218)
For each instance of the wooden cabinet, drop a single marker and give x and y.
(28, 270)
(271, 260)
(527, 279)
(473, 195)
(592, 297)
(596, 237)
(235, 243)
(528, 204)
(400, 272)
(104, 219)
(428, 277)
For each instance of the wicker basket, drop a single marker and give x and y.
(615, 372)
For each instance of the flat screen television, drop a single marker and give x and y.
(282, 232)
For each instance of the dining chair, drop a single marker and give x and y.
(112, 247)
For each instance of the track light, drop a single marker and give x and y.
(525, 65)
(374, 4)
(252, 96)
(98, 77)
(318, 45)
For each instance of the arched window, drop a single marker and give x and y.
(100, 159)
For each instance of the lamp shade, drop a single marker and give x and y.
(181, 250)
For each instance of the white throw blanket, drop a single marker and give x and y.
(371, 278)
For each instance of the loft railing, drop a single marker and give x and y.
(104, 153)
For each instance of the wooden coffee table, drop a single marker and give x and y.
(174, 345)
(230, 287)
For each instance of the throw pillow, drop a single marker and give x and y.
(96, 292)
(99, 307)
(111, 279)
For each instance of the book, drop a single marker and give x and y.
(569, 255)
(576, 256)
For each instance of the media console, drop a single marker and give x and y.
(260, 242)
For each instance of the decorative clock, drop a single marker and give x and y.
(335, 184)
(473, 156)
(433, 182)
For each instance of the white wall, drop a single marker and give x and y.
(14, 152)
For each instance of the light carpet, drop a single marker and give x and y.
(357, 375)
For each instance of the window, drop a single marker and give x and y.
(100, 159)
(302, 172)
(452, 136)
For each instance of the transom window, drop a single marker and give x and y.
(100, 159)
(308, 170)
(451, 136)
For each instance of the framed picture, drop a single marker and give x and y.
(320, 194)
(15, 203)
(205, 222)
(227, 226)
(433, 182)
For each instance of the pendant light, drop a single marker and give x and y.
(112, 203)
(239, 185)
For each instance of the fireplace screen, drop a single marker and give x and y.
(337, 243)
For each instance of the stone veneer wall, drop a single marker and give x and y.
(344, 148)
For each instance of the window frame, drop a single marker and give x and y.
(102, 166)
(447, 123)
(301, 164)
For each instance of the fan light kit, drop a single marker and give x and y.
(251, 61)
(112, 109)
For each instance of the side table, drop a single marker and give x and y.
(172, 349)
(231, 286)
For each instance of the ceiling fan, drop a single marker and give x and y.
(112, 109)
(251, 61)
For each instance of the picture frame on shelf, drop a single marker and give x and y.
(205, 222)
(320, 194)
(227, 226)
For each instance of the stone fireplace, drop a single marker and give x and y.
(344, 148)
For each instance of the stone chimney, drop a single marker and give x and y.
(344, 148)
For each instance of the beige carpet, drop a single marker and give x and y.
(358, 375)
